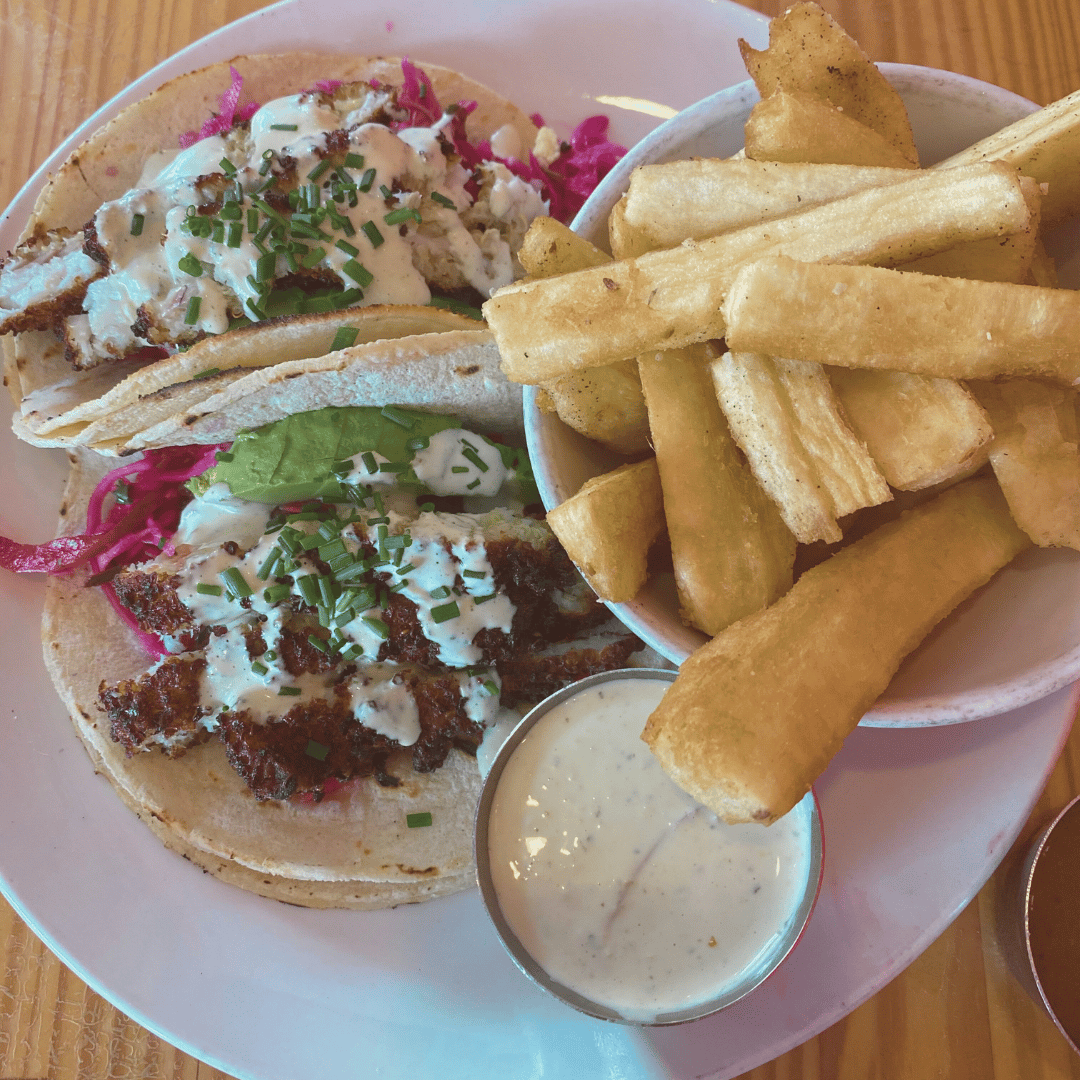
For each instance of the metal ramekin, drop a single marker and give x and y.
(752, 977)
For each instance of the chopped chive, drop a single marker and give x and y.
(313, 258)
(474, 573)
(394, 543)
(265, 266)
(227, 167)
(406, 569)
(255, 310)
(418, 821)
(471, 455)
(283, 127)
(358, 272)
(309, 588)
(252, 220)
(269, 655)
(345, 336)
(230, 211)
(397, 416)
(289, 539)
(371, 231)
(349, 249)
(326, 591)
(459, 468)
(354, 161)
(442, 200)
(316, 750)
(190, 265)
(474, 484)
(289, 691)
(427, 508)
(208, 590)
(259, 668)
(351, 651)
(235, 584)
(444, 612)
(137, 222)
(191, 316)
(402, 213)
(236, 234)
(318, 643)
(347, 298)
(207, 373)
(318, 170)
(378, 627)
(276, 593)
(266, 568)
(384, 191)
(367, 180)
(441, 593)
(492, 687)
(484, 599)
(368, 458)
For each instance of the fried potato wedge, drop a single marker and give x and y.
(551, 248)
(798, 127)
(1044, 145)
(668, 299)
(731, 551)
(810, 53)
(786, 420)
(608, 527)
(920, 431)
(603, 403)
(869, 317)
(668, 203)
(1035, 456)
(756, 715)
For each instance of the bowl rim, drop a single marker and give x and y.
(794, 929)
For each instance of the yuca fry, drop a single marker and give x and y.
(920, 431)
(731, 551)
(608, 527)
(755, 715)
(810, 53)
(668, 203)
(784, 416)
(1005, 258)
(869, 317)
(1035, 456)
(668, 299)
(603, 403)
(1044, 145)
(550, 248)
(798, 127)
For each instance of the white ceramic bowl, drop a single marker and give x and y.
(1013, 642)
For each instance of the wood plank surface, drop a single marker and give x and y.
(956, 1012)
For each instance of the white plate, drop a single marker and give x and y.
(1013, 641)
(914, 821)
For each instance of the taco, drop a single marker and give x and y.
(284, 650)
(338, 183)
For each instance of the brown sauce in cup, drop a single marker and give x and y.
(1054, 921)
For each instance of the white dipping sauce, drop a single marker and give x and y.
(620, 885)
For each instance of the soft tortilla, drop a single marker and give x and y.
(110, 162)
(353, 849)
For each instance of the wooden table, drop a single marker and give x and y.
(956, 1012)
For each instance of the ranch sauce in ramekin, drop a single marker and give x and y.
(618, 884)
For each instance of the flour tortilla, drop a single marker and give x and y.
(55, 403)
(353, 849)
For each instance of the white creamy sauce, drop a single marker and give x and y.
(52, 271)
(618, 883)
(457, 462)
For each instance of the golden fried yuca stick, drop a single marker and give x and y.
(1006, 258)
(869, 317)
(603, 403)
(668, 203)
(810, 53)
(731, 550)
(797, 127)
(920, 431)
(1035, 457)
(784, 416)
(667, 299)
(755, 715)
(1044, 145)
(550, 248)
(608, 527)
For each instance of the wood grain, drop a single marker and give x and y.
(957, 1011)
